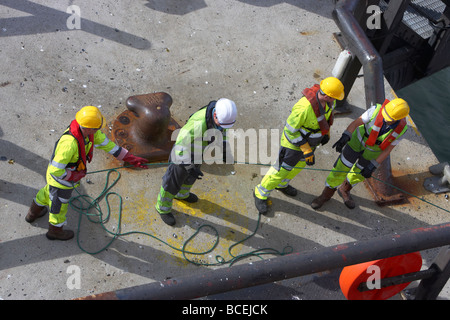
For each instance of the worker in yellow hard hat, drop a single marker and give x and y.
(307, 126)
(68, 165)
(363, 146)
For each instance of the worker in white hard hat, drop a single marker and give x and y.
(67, 167)
(187, 154)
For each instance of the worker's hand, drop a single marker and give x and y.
(308, 154)
(339, 145)
(75, 176)
(138, 162)
(367, 171)
(325, 139)
(196, 173)
(310, 158)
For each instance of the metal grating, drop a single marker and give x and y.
(418, 15)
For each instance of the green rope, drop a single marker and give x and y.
(91, 204)
(220, 260)
(385, 182)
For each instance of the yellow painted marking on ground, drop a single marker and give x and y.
(225, 211)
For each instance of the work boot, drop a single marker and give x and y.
(191, 198)
(326, 195)
(36, 211)
(168, 218)
(58, 233)
(289, 191)
(344, 192)
(261, 205)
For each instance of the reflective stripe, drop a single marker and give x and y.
(376, 128)
(184, 192)
(165, 199)
(114, 150)
(284, 183)
(164, 202)
(164, 209)
(104, 143)
(63, 182)
(60, 224)
(287, 167)
(263, 191)
(311, 134)
(361, 140)
(293, 141)
(63, 200)
(347, 163)
(290, 128)
(371, 122)
(58, 165)
(328, 185)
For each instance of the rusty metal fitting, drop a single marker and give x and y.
(146, 128)
(382, 188)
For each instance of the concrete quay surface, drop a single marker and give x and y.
(261, 54)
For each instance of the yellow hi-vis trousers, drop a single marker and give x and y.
(349, 164)
(57, 201)
(177, 183)
(277, 178)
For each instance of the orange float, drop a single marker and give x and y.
(352, 276)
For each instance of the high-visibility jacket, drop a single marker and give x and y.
(302, 125)
(191, 140)
(384, 136)
(369, 133)
(66, 156)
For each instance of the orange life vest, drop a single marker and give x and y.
(75, 131)
(311, 95)
(377, 127)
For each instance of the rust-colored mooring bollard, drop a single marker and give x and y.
(145, 129)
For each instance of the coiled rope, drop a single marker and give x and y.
(84, 204)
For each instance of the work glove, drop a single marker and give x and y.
(138, 162)
(75, 176)
(308, 154)
(310, 158)
(325, 139)
(339, 145)
(367, 171)
(196, 173)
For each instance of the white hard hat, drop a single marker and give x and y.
(226, 112)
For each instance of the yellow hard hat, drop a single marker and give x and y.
(333, 88)
(90, 117)
(395, 110)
